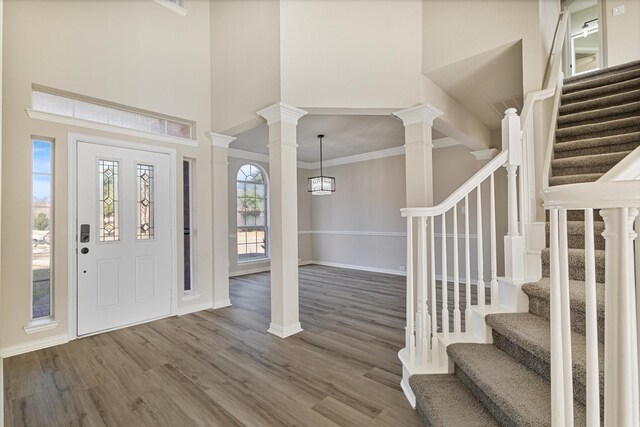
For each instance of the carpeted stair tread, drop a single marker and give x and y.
(602, 80)
(528, 339)
(600, 114)
(442, 400)
(576, 264)
(603, 101)
(593, 163)
(608, 128)
(602, 72)
(541, 289)
(575, 234)
(514, 394)
(574, 179)
(601, 91)
(607, 144)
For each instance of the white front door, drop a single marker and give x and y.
(124, 236)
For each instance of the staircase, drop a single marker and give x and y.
(508, 382)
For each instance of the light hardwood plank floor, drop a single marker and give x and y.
(221, 368)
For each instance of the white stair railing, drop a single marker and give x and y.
(618, 202)
(433, 322)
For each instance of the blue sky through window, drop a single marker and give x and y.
(42, 170)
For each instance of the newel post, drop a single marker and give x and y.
(513, 241)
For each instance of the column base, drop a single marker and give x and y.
(284, 331)
(221, 303)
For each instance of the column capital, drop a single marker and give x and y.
(219, 140)
(426, 113)
(281, 112)
(487, 154)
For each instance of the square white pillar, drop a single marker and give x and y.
(220, 224)
(282, 120)
(418, 122)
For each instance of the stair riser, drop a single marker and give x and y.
(580, 170)
(576, 269)
(603, 73)
(598, 131)
(608, 90)
(540, 307)
(598, 117)
(616, 77)
(542, 366)
(603, 149)
(576, 241)
(561, 180)
(578, 215)
(603, 102)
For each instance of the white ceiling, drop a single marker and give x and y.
(345, 135)
(484, 79)
(579, 5)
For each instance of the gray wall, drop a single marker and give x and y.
(360, 224)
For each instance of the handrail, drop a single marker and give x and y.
(627, 169)
(548, 156)
(552, 71)
(593, 195)
(462, 191)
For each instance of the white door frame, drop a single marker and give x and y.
(72, 271)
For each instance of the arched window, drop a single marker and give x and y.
(252, 231)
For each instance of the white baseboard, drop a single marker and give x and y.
(261, 269)
(221, 304)
(34, 345)
(360, 267)
(192, 308)
(284, 331)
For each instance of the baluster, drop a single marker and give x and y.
(467, 268)
(434, 301)
(456, 277)
(480, 282)
(555, 314)
(495, 300)
(445, 282)
(567, 364)
(424, 304)
(593, 372)
(409, 336)
(421, 271)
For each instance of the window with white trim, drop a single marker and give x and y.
(252, 222)
(103, 112)
(41, 228)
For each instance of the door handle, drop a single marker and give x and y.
(84, 251)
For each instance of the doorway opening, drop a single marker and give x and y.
(585, 36)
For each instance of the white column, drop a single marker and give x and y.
(418, 122)
(418, 146)
(621, 400)
(283, 197)
(220, 225)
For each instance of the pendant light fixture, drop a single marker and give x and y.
(321, 185)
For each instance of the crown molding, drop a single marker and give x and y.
(380, 154)
(220, 140)
(281, 112)
(487, 154)
(426, 113)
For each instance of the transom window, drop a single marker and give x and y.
(98, 111)
(251, 216)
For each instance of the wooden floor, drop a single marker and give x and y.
(220, 368)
